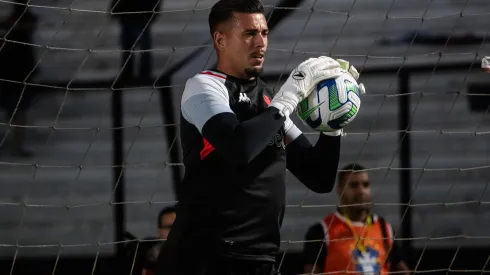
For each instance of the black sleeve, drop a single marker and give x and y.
(242, 142)
(305, 160)
(315, 247)
(396, 254)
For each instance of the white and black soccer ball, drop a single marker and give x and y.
(332, 105)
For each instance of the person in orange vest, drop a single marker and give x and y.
(353, 239)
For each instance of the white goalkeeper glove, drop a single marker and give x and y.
(302, 81)
(345, 65)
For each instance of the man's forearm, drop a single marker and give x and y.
(315, 166)
(241, 142)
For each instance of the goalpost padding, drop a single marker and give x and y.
(58, 203)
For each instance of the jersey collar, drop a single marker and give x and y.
(238, 80)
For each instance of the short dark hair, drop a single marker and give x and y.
(223, 11)
(165, 211)
(349, 168)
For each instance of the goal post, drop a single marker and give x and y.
(422, 130)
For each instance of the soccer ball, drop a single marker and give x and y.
(332, 105)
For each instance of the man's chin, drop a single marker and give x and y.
(358, 208)
(254, 71)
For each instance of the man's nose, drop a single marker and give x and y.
(360, 189)
(259, 40)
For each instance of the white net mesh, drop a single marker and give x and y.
(59, 201)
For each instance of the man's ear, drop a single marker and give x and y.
(219, 40)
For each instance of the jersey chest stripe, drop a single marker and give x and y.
(267, 100)
(214, 74)
(207, 149)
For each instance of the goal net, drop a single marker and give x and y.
(59, 202)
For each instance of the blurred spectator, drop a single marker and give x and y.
(18, 65)
(485, 64)
(353, 239)
(165, 221)
(136, 18)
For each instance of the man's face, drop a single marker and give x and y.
(354, 189)
(166, 223)
(243, 43)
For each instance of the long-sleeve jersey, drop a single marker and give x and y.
(236, 151)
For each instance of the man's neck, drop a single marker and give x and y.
(228, 71)
(355, 215)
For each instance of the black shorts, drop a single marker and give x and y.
(226, 266)
(204, 256)
(221, 266)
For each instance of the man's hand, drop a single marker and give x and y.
(345, 65)
(302, 81)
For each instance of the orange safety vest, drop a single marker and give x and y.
(355, 247)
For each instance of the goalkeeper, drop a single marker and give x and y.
(238, 141)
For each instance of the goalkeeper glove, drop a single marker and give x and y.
(353, 72)
(345, 65)
(302, 81)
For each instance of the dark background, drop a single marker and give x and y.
(418, 128)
